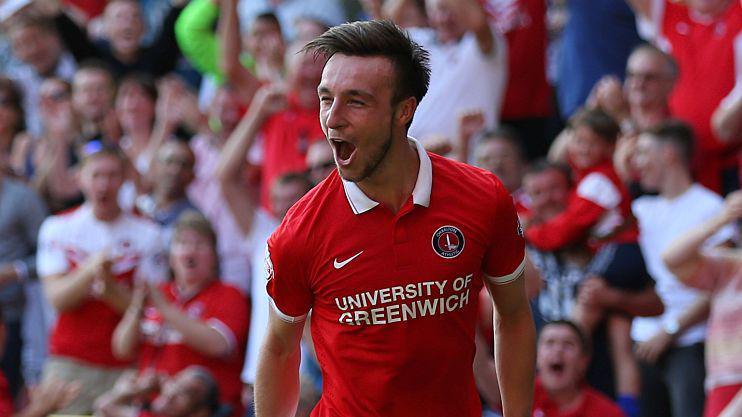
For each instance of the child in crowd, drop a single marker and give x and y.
(599, 211)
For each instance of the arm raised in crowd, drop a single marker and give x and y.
(268, 100)
(195, 35)
(67, 291)
(727, 118)
(125, 339)
(230, 50)
(683, 257)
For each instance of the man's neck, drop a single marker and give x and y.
(164, 199)
(395, 178)
(106, 214)
(649, 115)
(676, 182)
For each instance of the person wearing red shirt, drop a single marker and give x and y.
(562, 358)
(697, 33)
(192, 320)
(389, 254)
(88, 260)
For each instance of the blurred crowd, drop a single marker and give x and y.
(149, 148)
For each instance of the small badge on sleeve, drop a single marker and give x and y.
(268, 265)
(448, 242)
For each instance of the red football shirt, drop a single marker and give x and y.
(705, 53)
(592, 404)
(394, 296)
(221, 306)
(286, 138)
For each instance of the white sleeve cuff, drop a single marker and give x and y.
(510, 277)
(285, 317)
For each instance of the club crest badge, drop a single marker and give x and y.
(448, 242)
(268, 265)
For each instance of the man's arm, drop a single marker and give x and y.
(230, 45)
(474, 19)
(277, 382)
(515, 346)
(645, 303)
(229, 169)
(727, 118)
(67, 291)
(485, 373)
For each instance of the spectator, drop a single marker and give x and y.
(696, 33)
(121, 49)
(193, 320)
(527, 105)
(500, 153)
(88, 260)
(36, 43)
(256, 223)
(562, 357)
(404, 13)
(136, 98)
(547, 187)
(21, 214)
(719, 272)
(469, 68)
(596, 41)
(600, 210)
(643, 100)
(192, 392)
(171, 173)
(670, 347)
(320, 162)
(50, 161)
(93, 90)
(11, 121)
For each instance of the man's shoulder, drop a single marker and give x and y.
(463, 176)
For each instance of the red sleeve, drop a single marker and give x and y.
(568, 227)
(286, 273)
(229, 314)
(505, 257)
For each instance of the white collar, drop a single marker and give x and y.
(361, 203)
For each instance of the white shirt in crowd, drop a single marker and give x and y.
(662, 221)
(462, 79)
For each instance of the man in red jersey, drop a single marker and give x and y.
(88, 260)
(389, 254)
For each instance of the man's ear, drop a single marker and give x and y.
(405, 110)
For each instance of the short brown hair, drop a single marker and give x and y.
(598, 121)
(676, 133)
(380, 38)
(193, 220)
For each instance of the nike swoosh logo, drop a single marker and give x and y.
(339, 265)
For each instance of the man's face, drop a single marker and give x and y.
(193, 258)
(502, 159)
(134, 107)
(560, 360)
(319, 161)
(648, 79)
(649, 162)
(173, 168)
(283, 196)
(124, 25)
(181, 396)
(36, 47)
(548, 191)
(226, 109)
(442, 15)
(304, 73)
(100, 179)
(92, 94)
(263, 37)
(356, 113)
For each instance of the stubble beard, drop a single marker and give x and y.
(374, 161)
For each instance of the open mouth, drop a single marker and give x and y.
(344, 151)
(556, 368)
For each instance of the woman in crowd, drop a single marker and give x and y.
(192, 320)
